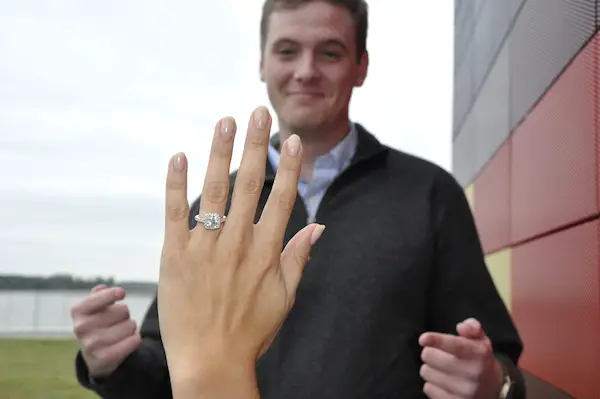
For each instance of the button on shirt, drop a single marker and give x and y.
(327, 168)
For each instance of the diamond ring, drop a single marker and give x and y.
(211, 221)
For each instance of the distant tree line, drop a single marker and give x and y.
(68, 282)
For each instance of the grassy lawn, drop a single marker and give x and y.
(39, 369)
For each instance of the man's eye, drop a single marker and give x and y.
(332, 54)
(286, 51)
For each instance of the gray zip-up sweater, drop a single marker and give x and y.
(400, 256)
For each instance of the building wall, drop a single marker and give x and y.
(526, 134)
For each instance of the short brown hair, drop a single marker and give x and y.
(357, 8)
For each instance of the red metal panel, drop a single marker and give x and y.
(492, 207)
(553, 165)
(556, 306)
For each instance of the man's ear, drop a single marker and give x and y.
(261, 70)
(363, 68)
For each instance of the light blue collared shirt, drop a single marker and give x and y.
(327, 168)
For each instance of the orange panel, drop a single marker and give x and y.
(556, 306)
(553, 154)
(492, 208)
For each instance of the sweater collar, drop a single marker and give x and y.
(367, 147)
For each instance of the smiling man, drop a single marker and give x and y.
(396, 300)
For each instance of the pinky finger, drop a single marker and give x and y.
(434, 392)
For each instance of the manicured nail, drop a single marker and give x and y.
(226, 128)
(293, 145)
(179, 162)
(261, 117)
(316, 234)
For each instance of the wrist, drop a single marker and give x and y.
(211, 377)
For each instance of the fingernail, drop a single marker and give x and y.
(226, 127)
(316, 234)
(179, 162)
(261, 117)
(293, 145)
(119, 293)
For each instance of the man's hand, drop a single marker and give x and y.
(105, 330)
(460, 367)
(223, 293)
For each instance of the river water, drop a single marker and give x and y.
(44, 314)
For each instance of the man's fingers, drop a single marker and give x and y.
(251, 174)
(110, 316)
(460, 347)
(434, 392)
(296, 253)
(97, 302)
(450, 383)
(177, 207)
(105, 337)
(275, 216)
(118, 351)
(215, 192)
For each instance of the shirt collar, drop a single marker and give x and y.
(338, 157)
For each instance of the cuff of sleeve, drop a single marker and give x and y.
(103, 386)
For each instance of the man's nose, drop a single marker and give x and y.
(306, 69)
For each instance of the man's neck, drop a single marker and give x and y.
(317, 142)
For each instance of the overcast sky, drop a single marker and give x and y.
(96, 96)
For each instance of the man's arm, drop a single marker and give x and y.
(462, 286)
(143, 374)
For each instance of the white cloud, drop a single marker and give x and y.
(97, 96)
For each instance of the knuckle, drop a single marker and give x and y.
(131, 327)
(80, 328)
(91, 343)
(178, 212)
(75, 311)
(426, 355)
(301, 257)
(251, 186)
(285, 200)
(100, 355)
(289, 164)
(217, 192)
(120, 311)
(175, 184)
(258, 142)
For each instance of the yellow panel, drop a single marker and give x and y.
(499, 266)
(470, 194)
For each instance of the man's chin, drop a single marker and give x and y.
(304, 125)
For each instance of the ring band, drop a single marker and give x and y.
(211, 220)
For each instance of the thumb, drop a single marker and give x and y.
(296, 253)
(470, 329)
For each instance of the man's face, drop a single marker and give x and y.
(310, 65)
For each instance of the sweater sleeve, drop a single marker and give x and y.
(461, 284)
(144, 374)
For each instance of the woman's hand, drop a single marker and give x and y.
(224, 292)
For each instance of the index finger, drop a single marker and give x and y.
(98, 301)
(460, 347)
(275, 216)
(176, 203)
